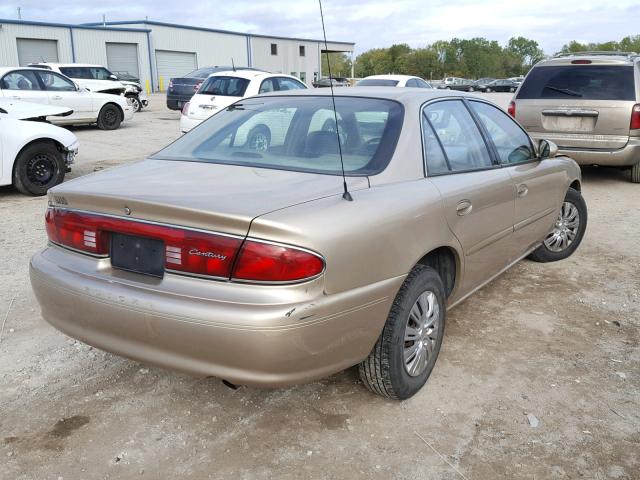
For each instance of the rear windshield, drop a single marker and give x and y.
(590, 82)
(224, 86)
(202, 72)
(377, 82)
(296, 133)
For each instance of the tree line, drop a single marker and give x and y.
(468, 58)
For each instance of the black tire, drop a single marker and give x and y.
(635, 173)
(259, 138)
(384, 371)
(109, 117)
(135, 103)
(543, 253)
(38, 167)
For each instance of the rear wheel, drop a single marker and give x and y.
(567, 232)
(38, 167)
(635, 173)
(259, 138)
(406, 351)
(109, 117)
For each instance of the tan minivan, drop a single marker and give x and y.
(588, 104)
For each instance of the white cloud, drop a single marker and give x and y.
(370, 24)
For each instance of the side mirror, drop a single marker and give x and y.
(547, 149)
(113, 77)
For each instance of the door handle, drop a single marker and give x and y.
(16, 97)
(57, 97)
(522, 190)
(464, 207)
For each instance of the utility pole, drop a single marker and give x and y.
(19, 13)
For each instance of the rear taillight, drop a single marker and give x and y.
(185, 108)
(197, 86)
(268, 262)
(171, 83)
(512, 109)
(635, 117)
(188, 251)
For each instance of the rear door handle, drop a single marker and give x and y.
(522, 190)
(464, 207)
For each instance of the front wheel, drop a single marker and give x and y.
(38, 167)
(135, 103)
(109, 117)
(406, 351)
(568, 231)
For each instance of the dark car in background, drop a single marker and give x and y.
(461, 84)
(336, 81)
(499, 86)
(181, 89)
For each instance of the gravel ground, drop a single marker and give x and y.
(538, 377)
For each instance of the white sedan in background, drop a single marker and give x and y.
(221, 89)
(393, 81)
(51, 88)
(34, 155)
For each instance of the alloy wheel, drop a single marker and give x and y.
(565, 229)
(421, 333)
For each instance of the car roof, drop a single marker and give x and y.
(403, 95)
(4, 70)
(390, 77)
(249, 74)
(58, 65)
(596, 58)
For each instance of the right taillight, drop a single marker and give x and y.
(185, 108)
(512, 109)
(269, 262)
(171, 83)
(197, 86)
(635, 117)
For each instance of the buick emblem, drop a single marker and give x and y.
(127, 211)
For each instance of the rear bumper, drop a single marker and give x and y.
(187, 123)
(176, 102)
(626, 156)
(255, 335)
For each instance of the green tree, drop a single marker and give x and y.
(340, 65)
(527, 50)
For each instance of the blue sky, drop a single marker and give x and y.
(371, 23)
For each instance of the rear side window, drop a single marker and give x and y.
(23, 80)
(224, 86)
(459, 136)
(77, 72)
(589, 82)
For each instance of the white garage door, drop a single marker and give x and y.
(174, 64)
(123, 58)
(32, 50)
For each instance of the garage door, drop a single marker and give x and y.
(174, 64)
(36, 50)
(123, 58)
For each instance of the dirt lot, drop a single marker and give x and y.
(538, 378)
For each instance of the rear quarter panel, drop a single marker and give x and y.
(382, 234)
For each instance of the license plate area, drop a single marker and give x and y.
(138, 254)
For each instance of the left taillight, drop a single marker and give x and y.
(77, 231)
(185, 108)
(512, 109)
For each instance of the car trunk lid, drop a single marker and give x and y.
(203, 106)
(184, 86)
(216, 197)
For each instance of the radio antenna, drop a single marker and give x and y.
(346, 195)
(233, 65)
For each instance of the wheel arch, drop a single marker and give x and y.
(576, 185)
(109, 102)
(59, 146)
(446, 261)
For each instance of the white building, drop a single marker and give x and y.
(156, 51)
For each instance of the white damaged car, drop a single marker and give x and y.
(46, 87)
(34, 155)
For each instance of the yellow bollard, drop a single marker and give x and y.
(148, 87)
(161, 85)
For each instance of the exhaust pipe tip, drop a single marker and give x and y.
(232, 386)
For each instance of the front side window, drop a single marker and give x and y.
(56, 83)
(512, 144)
(296, 133)
(224, 86)
(100, 73)
(459, 136)
(21, 80)
(268, 85)
(589, 82)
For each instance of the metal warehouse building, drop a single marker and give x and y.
(156, 51)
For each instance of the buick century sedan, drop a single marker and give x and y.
(249, 262)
